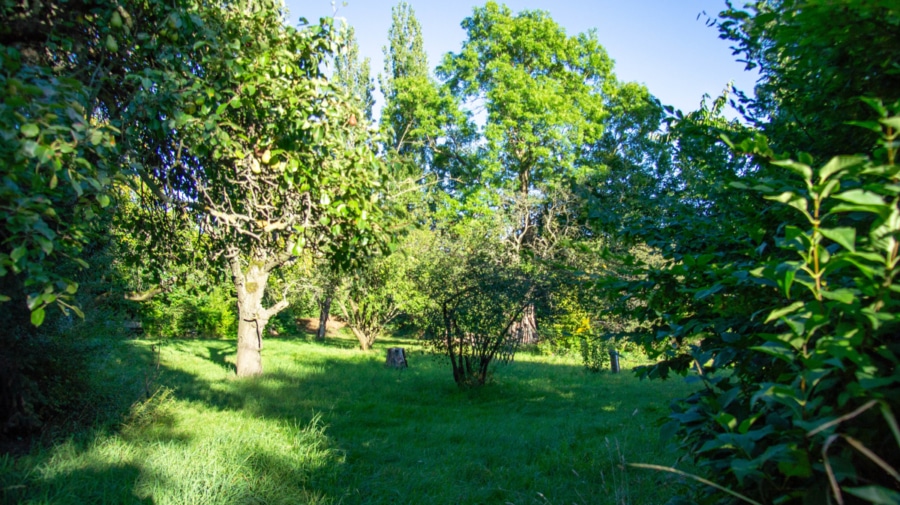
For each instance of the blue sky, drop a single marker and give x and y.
(660, 43)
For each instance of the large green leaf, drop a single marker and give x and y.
(845, 236)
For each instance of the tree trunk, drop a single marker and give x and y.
(364, 342)
(250, 286)
(525, 329)
(324, 308)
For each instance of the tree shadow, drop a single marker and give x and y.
(218, 356)
(533, 418)
(95, 483)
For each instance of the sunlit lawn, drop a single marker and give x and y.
(330, 424)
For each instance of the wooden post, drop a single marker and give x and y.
(396, 358)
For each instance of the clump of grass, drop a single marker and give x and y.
(330, 424)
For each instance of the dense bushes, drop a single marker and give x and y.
(189, 311)
(800, 361)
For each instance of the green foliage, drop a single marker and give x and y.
(475, 291)
(372, 296)
(786, 414)
(354, 75)
(816, 58)
(258, 124)
(56, 177)
(193, 309)
(542, 91)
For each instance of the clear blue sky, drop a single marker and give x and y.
(660, 43)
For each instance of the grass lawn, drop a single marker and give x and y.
(330, 424)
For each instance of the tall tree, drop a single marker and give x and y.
(423, 124)
(355, 75)
(405, 66)
(542, 91)
(242, 131)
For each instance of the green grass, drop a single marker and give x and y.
(329, 424)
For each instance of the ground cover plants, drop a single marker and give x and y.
(330, 424)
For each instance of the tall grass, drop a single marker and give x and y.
(330, 424)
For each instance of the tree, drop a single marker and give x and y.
(58, 158)
(243, 132)
(354, 75)
(815, 59)
(375, 293)
(764, 290)
(405, 69)
(799, 362)
(476, 291)
(546, 95)
(543, 93)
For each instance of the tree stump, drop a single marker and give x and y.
(396, 358)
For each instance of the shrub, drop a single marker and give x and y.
(799, 398)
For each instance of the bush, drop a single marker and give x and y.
(191, 311)
(799, 398)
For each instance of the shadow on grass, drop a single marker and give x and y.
(217, 355)
(540, 429)
(324, 383)
(100, 483)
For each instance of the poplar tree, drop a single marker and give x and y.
(405, 75)
(354, 75)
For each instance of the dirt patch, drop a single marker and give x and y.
(311, 325)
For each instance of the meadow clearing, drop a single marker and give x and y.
(330, 424)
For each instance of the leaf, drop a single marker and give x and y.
(875, 494)
(796, 167)
(779, 313)
(113, 47)
(18, 253)
(844, 236)
(46, 245)
(876, 104)
(798, 467)
(726, 420)
(873, 209)
(37, 316)
(893, 122)
(860, 197)
(699, 295)
(844, 296)
(794, 200)
(837, 164)
(869, 125)
(787, 282)
(777, 350)
(30, 130)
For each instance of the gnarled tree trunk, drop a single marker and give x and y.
(250, 285)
